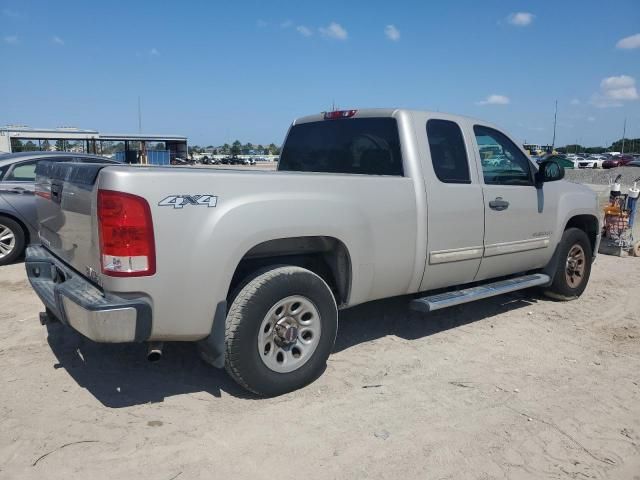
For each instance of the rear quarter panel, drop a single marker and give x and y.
(198, 247)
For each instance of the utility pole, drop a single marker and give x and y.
(555, 118)
(139, 116)
(624, 132)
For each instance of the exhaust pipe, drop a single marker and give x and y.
(154, 353)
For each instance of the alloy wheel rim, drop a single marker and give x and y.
(289, 334)
(7, 241)
(576, 266)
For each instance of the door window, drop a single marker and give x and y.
(448, 152)
(502, 161)
(23, 172)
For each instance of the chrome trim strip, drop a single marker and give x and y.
(455, 255)
(517, 246)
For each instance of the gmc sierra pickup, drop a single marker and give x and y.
(255, 265)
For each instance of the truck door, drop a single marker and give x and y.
(518, 223)
(455, 216)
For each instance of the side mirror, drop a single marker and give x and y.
(549, 171)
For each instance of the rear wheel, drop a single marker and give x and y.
(12, 240)
(574, 269)
(280, 330)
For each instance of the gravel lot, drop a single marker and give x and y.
(512, 387)
(597, 176)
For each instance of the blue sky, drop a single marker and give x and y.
(217, 71)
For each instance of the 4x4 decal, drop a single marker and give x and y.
(179, 201)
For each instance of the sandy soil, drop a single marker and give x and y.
(514, 387)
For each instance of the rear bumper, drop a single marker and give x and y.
(76, 302)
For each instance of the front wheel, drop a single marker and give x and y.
(574, 268)
(12, 240)
(280, 330)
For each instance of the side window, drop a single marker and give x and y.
(3, 170)
(23, 172)
(502, 161)
(448, 152)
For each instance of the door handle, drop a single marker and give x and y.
(18, 190)
(498, 204)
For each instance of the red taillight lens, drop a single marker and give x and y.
(127, 245)
(336, 114)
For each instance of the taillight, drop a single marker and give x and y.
(127, 245)
(336, 114)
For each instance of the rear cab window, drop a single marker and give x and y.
(365, 146)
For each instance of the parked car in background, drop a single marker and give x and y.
(591, 162)
(561, 160)
(18, 218)
(617, 161)
(633, 163)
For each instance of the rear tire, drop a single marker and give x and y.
(280, 330)
(12, 240)
(574, 266)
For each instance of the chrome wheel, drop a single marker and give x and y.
(7, 241)
(575, 268)
(289, 334)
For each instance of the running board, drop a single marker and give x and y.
(449, 299)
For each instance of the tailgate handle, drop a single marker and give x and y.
(498, 204)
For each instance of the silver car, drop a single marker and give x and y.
(18, 218)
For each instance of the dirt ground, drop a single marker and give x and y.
(512, 387)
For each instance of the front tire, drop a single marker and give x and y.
(574, 267)
(12, 240)
(280, 330)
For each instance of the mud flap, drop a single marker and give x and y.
(211, 349)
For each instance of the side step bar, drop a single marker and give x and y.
(449, 299)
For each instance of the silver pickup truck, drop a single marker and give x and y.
(254, 265)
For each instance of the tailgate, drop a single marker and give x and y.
(65, 202)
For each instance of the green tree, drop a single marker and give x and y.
(631, 145)
(59, 145)
(16, 145)
(236, 147)
(273, 149)
(30, 147)
(45, 146)
(226, 148)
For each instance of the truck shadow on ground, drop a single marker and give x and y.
(120, 376)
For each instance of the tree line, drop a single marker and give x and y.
(631, 145)
(236, 148)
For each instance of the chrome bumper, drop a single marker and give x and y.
(76, 302)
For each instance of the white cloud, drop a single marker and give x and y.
(154, 52)
(614, 91)
(521, 19)
(392, 33)
(591, 119)
(11, 13)
(57, 40)
(304, 31)
(334, 30)
(575, 101)
(630, 42)
(286, 24)
(495, 99)
(11, 39)
(261, 23)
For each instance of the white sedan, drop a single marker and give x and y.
(590, 162)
